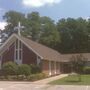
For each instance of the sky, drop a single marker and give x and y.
(56, 9)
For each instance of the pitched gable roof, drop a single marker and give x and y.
(41, 50)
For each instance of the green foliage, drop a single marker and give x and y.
(49, 33)
(87, 70)
(12, 71)
(12, 18)
(35, 77)
(77, 63)
(10, 68)
(67, 35)
(72, 80)
(36, 27)
(33, 25)
(24, 69)
(74, 35)
(35, 69)
(21, 77)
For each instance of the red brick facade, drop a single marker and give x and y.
(29, 57)
(45, 66)
(8, 55)
(54, 70)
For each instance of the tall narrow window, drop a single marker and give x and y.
(18, 52)
(16, 57)
(38, 61)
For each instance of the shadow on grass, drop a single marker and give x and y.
(72, 81)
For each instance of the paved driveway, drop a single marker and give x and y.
(32, 86)
(39, 85)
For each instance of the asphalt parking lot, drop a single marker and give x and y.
(4, 85)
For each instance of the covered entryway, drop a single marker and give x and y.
(65, 67)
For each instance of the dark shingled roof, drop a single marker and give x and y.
(46, 52)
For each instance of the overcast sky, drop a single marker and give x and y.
(56, 9)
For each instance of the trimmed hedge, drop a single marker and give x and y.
(35, 77)
(87, 70)
(24, 69)
(11, 71)
(35, 69)
(9, 68)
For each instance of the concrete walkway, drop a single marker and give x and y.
(47, 80)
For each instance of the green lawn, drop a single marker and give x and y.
(72, 80)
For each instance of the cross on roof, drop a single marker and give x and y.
(19, 27)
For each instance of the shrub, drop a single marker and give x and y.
(77, 63)
(35, 69)
(2, 77)
(87, 70)
(35, 77)
(24, 69)
(9, 68)
(21, 77)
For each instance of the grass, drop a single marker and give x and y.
(72, 80)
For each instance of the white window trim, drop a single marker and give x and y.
(38, 60)
(17, 37)
(59, 67)
(18, 49)
(1, 62)
(55, 67)
(50, 68)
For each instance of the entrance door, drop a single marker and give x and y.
(65, 68)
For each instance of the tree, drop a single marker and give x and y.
(67, 35)
(24, 69)
(39, 29)
(33, 25)
(49, 34)
(77, 64)
(12, 18)
(74, 35)
(10, 68)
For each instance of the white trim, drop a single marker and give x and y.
(18, 53)
(15, 51)
(18, 60)
(38, 60)
(59, 67)
(7, 41)
(29, 47)
(50, 68)
(5, 46)
(14, 35)
(55, 67)
(0, 61)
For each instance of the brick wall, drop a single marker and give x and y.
(45, 66)
(29, 57)
(8, 55)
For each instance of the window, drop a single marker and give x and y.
(20, 45)
(20, 54)
(16, 54)
(17, 44)
(18, 51)
(38, 61)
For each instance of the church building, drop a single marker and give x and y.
(21, 50)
